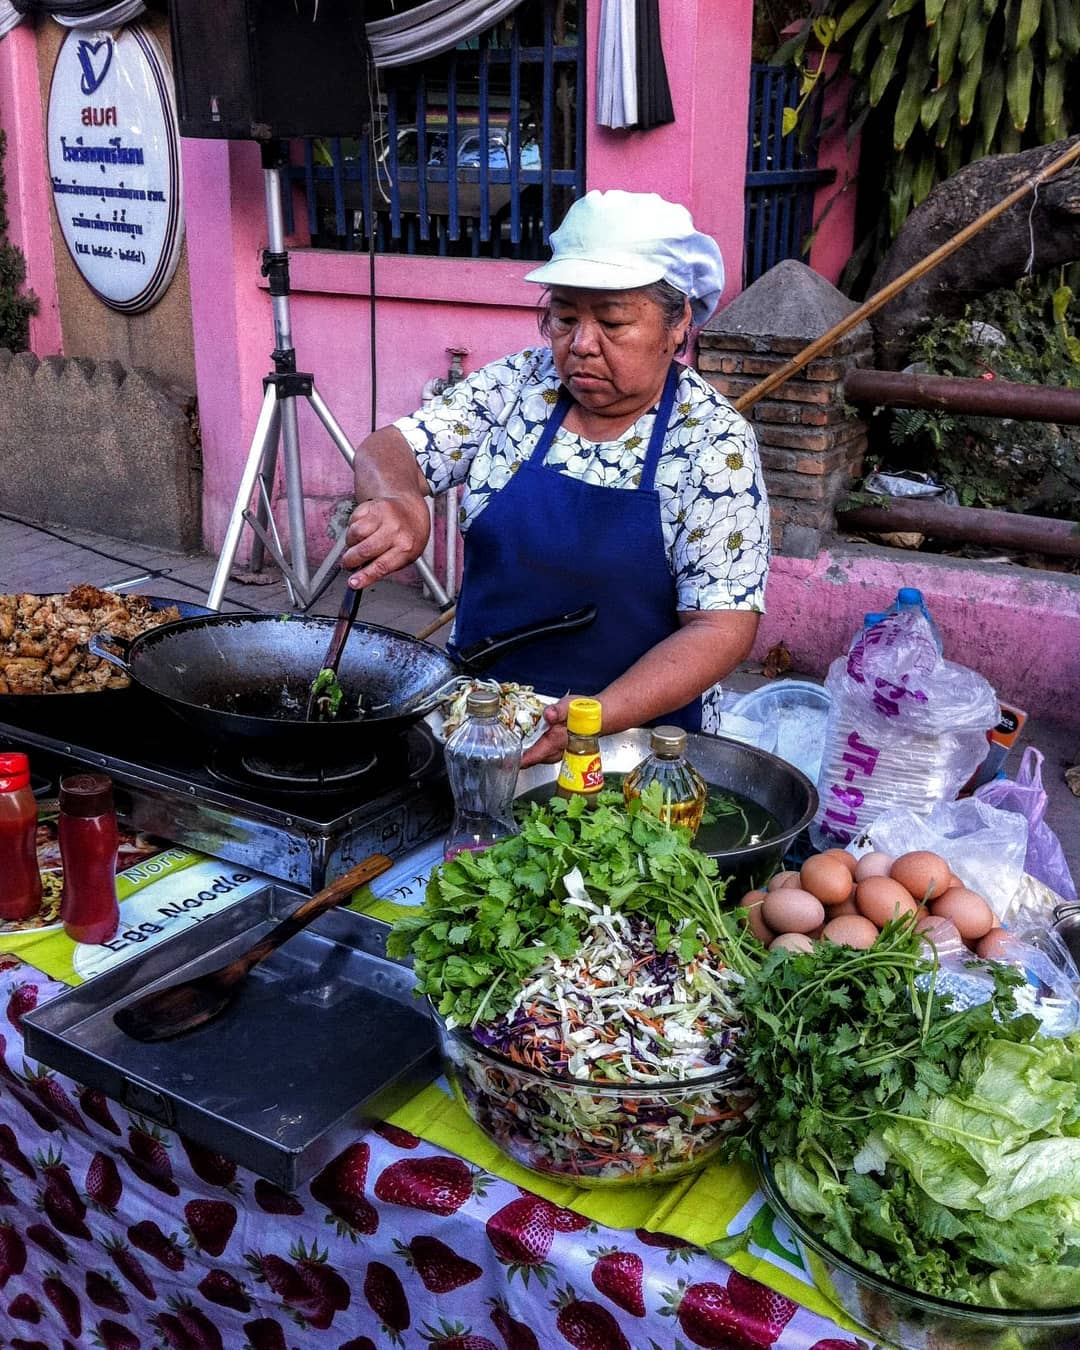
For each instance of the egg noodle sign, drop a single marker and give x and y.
(114, 163)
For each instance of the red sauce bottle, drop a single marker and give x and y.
(20, 880)
(89, 840)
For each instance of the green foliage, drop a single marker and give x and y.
(1017, 466)
(16, 306)
(945, 82)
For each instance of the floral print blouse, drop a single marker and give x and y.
(713, 510)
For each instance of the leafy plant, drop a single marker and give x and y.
(16, 305)
(943, 82)
(1022, 334)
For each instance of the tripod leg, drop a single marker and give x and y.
(263, 442)
(294, 490)
(330, 422)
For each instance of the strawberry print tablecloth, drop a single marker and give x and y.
(115, 1233)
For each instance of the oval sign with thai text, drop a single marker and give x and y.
(114, 162)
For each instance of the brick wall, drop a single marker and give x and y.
(811, 444)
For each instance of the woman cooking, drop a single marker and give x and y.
(596, 469)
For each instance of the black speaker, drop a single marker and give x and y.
(262, 69)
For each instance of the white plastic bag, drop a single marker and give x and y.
(906, 728)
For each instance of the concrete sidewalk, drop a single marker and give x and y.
(42, 559)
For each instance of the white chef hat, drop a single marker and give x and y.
(621, 240)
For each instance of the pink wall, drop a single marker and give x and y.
(26, 170)
(834, 204)
(1017, 627)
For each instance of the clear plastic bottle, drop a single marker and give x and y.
(89, 840)
(685, 791)
(909, 599)
(581, 773)
(482, 761)
(20, 879)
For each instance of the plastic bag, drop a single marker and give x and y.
(906, 728)
(1026, 796)
(985, 847)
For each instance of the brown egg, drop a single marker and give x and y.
(923, 875)
(827, 878)
(972, 915)
(751, 902)
(783, 879)
(848, 907)
(873, 865)
(790, 910)
(994, 946)
(880, 899)
(851, 930)
(792, 942)
(842, 855)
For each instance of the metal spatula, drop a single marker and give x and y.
(321, 702)
(168, 1012)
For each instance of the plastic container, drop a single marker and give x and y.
(797, 710)
(594, 1134)
(89, 840)
(581, 773)
(685, 791)
(875, 616)
(908, 599)
(917, 1321)
(20, 879)
(482, 761)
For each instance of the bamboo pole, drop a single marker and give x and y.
(881, 298)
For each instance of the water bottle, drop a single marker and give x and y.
(873, 618)
(482, 761)
(908, 599)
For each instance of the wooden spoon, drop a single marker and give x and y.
(319, 700)
(168, 1012)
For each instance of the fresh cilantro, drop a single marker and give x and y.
(490, 918)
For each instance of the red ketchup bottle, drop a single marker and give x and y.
(88, 844)
(20, 880)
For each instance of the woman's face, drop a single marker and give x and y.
(612, 349)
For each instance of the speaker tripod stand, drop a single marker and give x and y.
(277, 427)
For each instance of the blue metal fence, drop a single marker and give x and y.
(781, 172)
(477, 153)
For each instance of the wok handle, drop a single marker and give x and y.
(481, 654)
(96, 646)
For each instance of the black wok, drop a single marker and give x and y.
(243, 680)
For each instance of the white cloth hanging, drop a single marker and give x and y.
(104, 16)
(432, 28)
(616, 65)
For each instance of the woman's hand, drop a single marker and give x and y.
(549, 748)
(384, 536)
(390, 526)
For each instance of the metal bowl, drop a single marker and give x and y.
(918, 1321)
(729, 765)
(593, 1134)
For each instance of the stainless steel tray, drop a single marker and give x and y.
(323, 1035)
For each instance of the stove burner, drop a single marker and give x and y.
(253, 771)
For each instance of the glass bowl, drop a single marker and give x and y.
(594, 1134)
(918, 1321)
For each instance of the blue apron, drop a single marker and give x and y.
(546, 544)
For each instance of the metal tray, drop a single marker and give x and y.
(324, 1035)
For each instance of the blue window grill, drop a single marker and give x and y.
(781, 172)
(477, 153)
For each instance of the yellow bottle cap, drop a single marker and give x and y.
(584, 717)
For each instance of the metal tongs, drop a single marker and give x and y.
(324, 696)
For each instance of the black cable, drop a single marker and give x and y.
(120, 562)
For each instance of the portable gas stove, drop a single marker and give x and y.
(300, 824)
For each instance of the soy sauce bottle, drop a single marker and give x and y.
(20, 879)
(89, 841)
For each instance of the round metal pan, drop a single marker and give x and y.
(243, 680)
